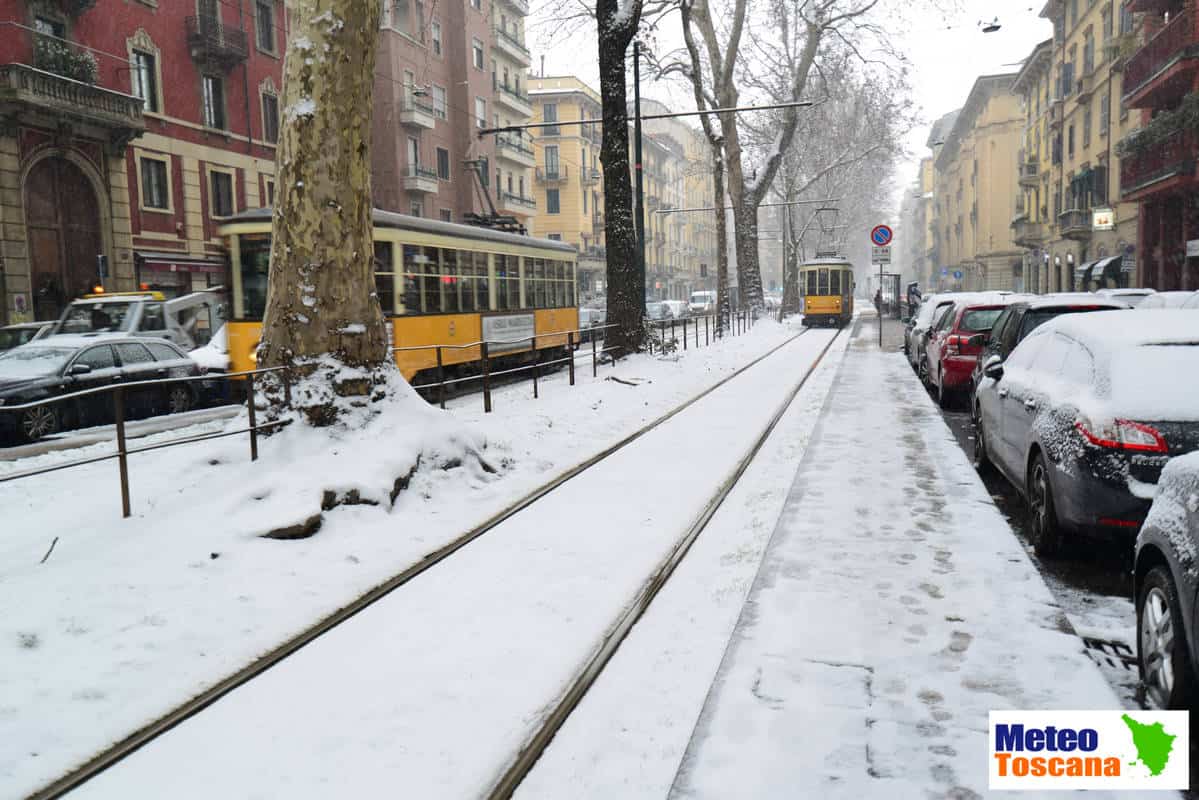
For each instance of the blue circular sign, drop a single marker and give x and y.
(957, 275)
(881, 235)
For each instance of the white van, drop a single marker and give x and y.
(703, 302)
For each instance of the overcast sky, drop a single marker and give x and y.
(947, 53)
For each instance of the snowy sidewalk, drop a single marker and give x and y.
(893, 609)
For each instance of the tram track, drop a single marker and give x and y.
(590, 672)
(146, 734)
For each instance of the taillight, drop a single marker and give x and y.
(1123, 434)
(953, 345)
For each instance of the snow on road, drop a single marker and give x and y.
(127, 618)
(433, 689)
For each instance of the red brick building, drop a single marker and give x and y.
(1160, 77)
(130, 129)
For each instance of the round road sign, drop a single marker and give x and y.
(881, 236)
(957, 275)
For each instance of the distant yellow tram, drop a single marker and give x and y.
(439, 283)
(827, 286)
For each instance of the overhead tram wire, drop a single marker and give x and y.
(672, 115)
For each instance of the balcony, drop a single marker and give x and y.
(1075, 224)
(1163, 62)
(1120, 49)
(514, 101)
(519, 6)
(516, 204)
(213, 44)
(416, 111)
(1166, 167)
(1055, 113)
(1026, 233)
(512, 47)
(593, 253)
(25, 89)
(420, 179)
(556, 174)
(510, 147)
(1083, 87)
(597, 222)
(589, 176)
(1028, 174)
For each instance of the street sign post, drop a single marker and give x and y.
(880, 237)
(880, 255)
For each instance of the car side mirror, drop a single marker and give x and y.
(80, 369)
(994, 369)
(977, 340)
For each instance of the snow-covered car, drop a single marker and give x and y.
(589, 319)
(1085, 412)
(678, 309)
(1166, 586)
(657, 312)
(916, 334)
(1134, 297)
(1171, 300)
(59, 365)
(703, 302)
(22, 333)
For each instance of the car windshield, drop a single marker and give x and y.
(980, 319)
(1038, 317)
(33, 361)
(98, 317)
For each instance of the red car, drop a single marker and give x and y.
(950, 355)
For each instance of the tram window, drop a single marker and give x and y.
(255, 252)
(834, 282)
(535, 282)
(450, 285)
(811, 281)
(483, 299)
(507, 289)
(822, 286)
(385, 277)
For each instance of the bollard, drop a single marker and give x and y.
(706, 342)
(440, 378)
(672, 330)
(594, 360)
(684, 333)
(486, 379)
(696, 334)
(118, 401)
(570, 351)
(253, 417)
(536, 363)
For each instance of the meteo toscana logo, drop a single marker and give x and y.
(1089, 750)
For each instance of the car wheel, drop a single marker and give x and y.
(944, 396)
(37, 422)
(1043, 528)
(1162, 651)
(178, 400)
(982, 459)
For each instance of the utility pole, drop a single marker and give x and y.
(639, 220)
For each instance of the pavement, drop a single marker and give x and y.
(893, 609)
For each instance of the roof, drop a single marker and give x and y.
(984, 88)
(70, 340)
(1038, 62)
(1131, 327)
(390, 219)
(940, 129)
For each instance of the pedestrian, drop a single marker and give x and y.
(878, 301)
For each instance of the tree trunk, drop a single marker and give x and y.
(626, 280)
(723, 307)
(322, 313)
(791, 304)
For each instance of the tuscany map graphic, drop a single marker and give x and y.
(1153, 744)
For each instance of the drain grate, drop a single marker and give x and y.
(1113, 654)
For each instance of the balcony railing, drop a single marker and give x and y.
(1074, 223)
(589, 175)
(517, 200)
(212, 42)
(417, 171)
(520, 6)
(1178, 39)
(415, 102)
(1029, 172)
(23, 86)
(512, 40)
(514, 144)
(1026, 233)
(513, 93)
(1174, 157)
(551, 174)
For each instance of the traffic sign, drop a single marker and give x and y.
(881, 235)
(880, 255)
(957, 275)
(944, 272)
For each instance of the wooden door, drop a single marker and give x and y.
(62, 216)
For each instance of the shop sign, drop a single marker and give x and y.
(1103, 219)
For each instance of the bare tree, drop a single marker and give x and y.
(323, 321)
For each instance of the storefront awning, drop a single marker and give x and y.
(178, 262)
(1109, 268)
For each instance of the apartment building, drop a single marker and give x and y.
(568, 178)
(915, 212)
(973, 186)
(1158, 172)
(443, 72)
(1074, 118)
(939, 272)
(133, 128)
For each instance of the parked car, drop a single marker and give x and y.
(703, 302)
(1023, 317)
(678, 309)
(1134, 297)
(590, 319)
(1170, 300)
(59, 365)
(657, 311)
(918, 325)
(1085, 412)
(954, 343)
(22, 333)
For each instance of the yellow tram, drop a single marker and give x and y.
(827, 284)
(439, 283)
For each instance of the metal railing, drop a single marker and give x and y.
(550, 175)
(119, 409)
(508, 38)
(417, 171)
(1176, 155)
(515, 144)
(510, 199)
(513, 93)
(212, 41)
(1177, 38)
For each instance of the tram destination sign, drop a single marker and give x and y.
(507, 332)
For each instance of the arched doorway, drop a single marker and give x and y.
(62, 215)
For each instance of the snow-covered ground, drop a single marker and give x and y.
(434, 688)
(129, 617)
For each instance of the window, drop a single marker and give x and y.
(264, 18)
(1070, 142)
(551, 162)
(1125, 20)
(49, 27)
(481, 112)
(270, 117)
(1086, 125)
(1107, 24)
(220, 200)
(98, 358)
(443, 164)
(476, 50)
(255, 252)
(1105, 114)
(385, 277)
(476, 4)
(522, 186)
(214, 102)
(1073, 13)
(446, 215)
(554, 237)
(401, 19)
(418, 208)
(144, 77)
(549, 113)
(270, 193)
(440, 104)
(435, 31)
(552, 202)
(584, 202)
(133, 353)
(413, 154)
(155, 186)
(153, 319)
